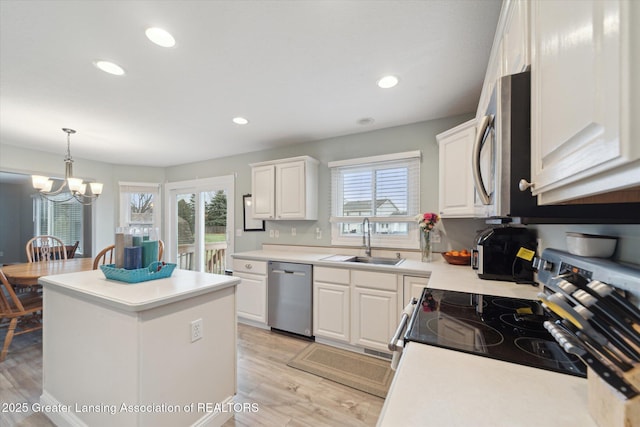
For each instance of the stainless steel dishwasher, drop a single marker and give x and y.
(290, 296)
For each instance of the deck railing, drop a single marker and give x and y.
(214, 257)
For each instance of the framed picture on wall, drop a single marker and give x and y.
(250, 224)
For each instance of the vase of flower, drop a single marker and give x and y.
(425, 246)
(426, 223)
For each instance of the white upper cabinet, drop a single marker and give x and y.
(455, 175)
(510, 51)
(285, 189)
(585, 98)
(263, 191)
(515, 37)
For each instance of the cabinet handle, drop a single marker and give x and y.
(483, 134)
(248, 266)
(523, 185)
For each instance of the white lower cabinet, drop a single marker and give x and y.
(374, 317)
(374, 308)
(356, 307)
(331, 317)
(413, 287)
(331, 303)
(251, 293)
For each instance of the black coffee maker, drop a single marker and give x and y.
(494, 255)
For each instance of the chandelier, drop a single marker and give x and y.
(74, 187)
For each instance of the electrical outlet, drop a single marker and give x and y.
(436, 237)
(318, 233)
(277, 234)
(293, 231)
(196, 330)
(270, 233)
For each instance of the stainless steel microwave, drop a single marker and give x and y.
(502, 157)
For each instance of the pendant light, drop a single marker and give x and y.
(75, 187)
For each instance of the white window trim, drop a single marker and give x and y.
(198, 185)
(410, 241)
(375, 159)
(143, 187)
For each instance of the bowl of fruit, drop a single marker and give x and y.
(462, 257)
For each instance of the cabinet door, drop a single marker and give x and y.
(290, 190)
(515, 38)
(263, 191)
(331, 311)
(456, 183)
(251, 297)
(576, 95)
(413, 287)
(375, 317)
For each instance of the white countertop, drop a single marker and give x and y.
(439, 387)
(442, 388)
(441, 274)
(182, 284)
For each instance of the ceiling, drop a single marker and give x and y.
(297, 70)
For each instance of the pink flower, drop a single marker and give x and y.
(428, 220)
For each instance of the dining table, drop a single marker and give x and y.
(28, 273)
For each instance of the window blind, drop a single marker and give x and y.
(381, 191)
(384, 189)
(60, 218)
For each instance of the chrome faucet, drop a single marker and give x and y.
(366, 238)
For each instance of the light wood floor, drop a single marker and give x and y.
(283, 396)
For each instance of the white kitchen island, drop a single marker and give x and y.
(122, 354)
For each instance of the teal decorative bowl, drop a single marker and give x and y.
(156, 270)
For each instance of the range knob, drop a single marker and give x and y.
(542, 264)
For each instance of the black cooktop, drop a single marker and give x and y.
(502, 328)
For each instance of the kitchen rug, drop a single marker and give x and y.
(355, 370)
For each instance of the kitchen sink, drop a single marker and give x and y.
(377, 260)
(365, 259)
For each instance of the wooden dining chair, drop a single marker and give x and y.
(160, 249)
(23, 312)
(105, 256)
(71, 249)
(45, 248)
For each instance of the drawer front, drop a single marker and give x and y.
(331, 275)
(374, 280)
(250, 266)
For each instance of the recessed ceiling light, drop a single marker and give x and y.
(109, 67)
(160, 37)
(240, 120)
(388, 82)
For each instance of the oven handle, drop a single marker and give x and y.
(406, 314)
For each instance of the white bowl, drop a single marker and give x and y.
(591, 245)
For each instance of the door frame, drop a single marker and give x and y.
(226, 182)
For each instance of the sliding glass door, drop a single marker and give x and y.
(200, 225)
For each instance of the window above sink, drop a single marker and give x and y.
(386, 190)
